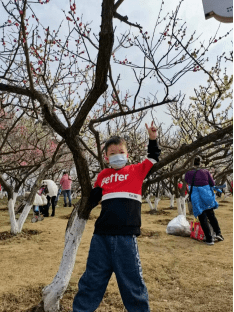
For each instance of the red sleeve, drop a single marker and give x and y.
(144, 167)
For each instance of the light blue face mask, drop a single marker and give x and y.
(118, 161)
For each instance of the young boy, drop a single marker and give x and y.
(114, 246)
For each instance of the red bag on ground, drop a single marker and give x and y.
(196, 230)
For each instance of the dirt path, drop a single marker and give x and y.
(181, 274)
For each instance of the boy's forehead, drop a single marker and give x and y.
(116, 147)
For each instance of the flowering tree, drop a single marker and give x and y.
(62, 81)
(203, 128)
(27, 152)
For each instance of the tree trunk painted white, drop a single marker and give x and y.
(172, 201)
(23, 217)
(183, 206)
(11, 211)
(54, 292)
(178, 203)
(156, 201)
(17, 225)
(149, 202)
(167, 194)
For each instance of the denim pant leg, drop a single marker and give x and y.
(92, 285)
(213, 221)
(128, 271)
(65, 197)
(69, 196)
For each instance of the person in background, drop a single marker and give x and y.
(203, 200)
(66, 183)
(51, 191)
(42, 192)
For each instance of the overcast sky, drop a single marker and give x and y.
(145, 13)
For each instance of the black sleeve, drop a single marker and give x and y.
(95, 196)
(153, 150)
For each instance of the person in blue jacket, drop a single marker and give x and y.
(203, 200)
(114, 245)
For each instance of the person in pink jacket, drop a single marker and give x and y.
(66, 183)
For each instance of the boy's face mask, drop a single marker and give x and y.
(118, 161)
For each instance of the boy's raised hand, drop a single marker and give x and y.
(152, 131)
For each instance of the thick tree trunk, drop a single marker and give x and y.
(23, 216)
(76, 224)
(11, 211)
(54, 292)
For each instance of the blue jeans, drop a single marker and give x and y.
(67, 193)
(108, 254)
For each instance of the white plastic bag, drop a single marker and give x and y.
(44, 200)
(37, 200)
(179, 226)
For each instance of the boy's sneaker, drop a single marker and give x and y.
(219, 237)
(210, 243)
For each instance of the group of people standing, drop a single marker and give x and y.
(52, 193)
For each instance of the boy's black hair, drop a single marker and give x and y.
(114, 140)
(197, 161)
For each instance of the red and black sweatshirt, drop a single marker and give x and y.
(120, 192)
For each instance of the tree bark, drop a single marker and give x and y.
(11, 211)
(54, 291)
